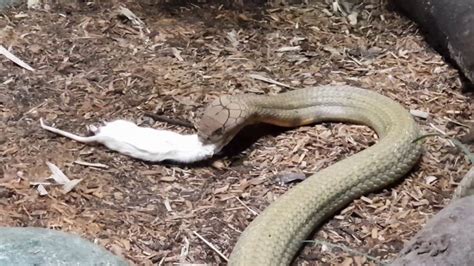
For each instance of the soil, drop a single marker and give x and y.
(92, 64)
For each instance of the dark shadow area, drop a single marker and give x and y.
(248, 136)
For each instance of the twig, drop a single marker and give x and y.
(344, 248)
(172, 121)
(456, 122)
(248, 208)
(15, 59)
(211, 246)
(162, 260)
(269, 80)
(438, 129)
(466, 186)
(97, 165)
(184, 250)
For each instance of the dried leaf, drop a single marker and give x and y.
(57, 174)
(15, 59)
(232, 37)
(70, 185)
(131, 16)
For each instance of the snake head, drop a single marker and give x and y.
(222, 120)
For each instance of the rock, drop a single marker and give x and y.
(466, 186)
(469, 137)
(7, 3)
(39, 246)
(449, 27)
(446, 239)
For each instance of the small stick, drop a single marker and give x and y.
(211, 246)
(15, 59)
(456, 122)
(438, 129)
(97, 165)
(170, 120)
(248, 208)
(269, 80)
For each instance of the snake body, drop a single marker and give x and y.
(276, 235)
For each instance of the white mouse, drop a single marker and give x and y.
(144, 143)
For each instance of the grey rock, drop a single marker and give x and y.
(446, 239)
(42, 247)
(7, 3)
(466, 186)
(448, 26)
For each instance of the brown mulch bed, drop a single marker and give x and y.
(92, 65)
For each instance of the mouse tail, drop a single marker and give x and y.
(68, 134)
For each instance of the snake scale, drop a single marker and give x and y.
(276, 235)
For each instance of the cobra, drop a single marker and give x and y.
(276, 235)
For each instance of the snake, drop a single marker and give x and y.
(277, 234)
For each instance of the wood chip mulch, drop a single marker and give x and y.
(93, 65)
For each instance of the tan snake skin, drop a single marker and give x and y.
(277, 234)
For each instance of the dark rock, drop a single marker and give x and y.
(446, 239)
(39, 246)
(449, 27)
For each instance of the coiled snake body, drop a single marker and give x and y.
(276, 235)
